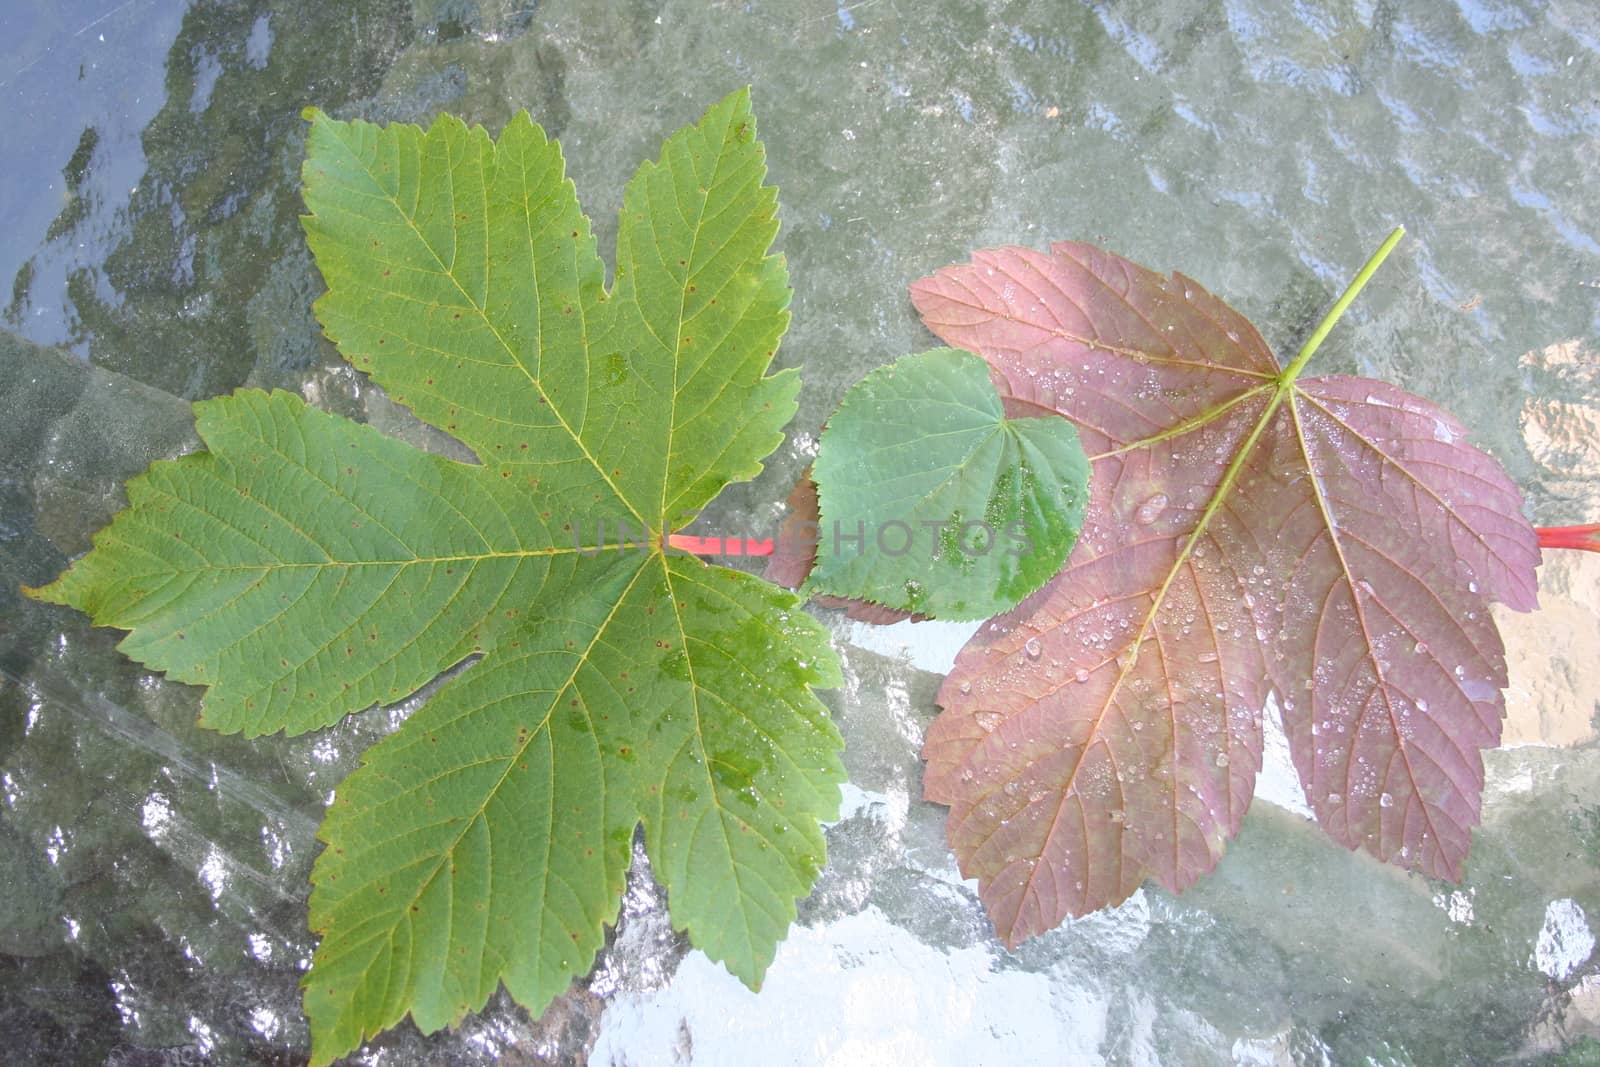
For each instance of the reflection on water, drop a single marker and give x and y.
(154, 875)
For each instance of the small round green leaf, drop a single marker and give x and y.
(934, 501)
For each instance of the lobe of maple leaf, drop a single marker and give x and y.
(1332, 541)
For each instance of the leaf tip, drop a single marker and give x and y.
(751, 973)
(55, 592)
(39, 592)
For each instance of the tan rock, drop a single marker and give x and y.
(1561, 425)
(1553, 654)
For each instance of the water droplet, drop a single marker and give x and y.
(1033, 648)
(1081, 674)
(1150, 510)
(965, 687)
(988, 720)
(1115, 815)
(1421, 648)
(1207, 657)
(1335, 798)
(1222, 759)
(1386, 801)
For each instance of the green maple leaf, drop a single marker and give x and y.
(305, 567)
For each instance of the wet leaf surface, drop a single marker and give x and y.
(1333, 542)
(935, 500)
